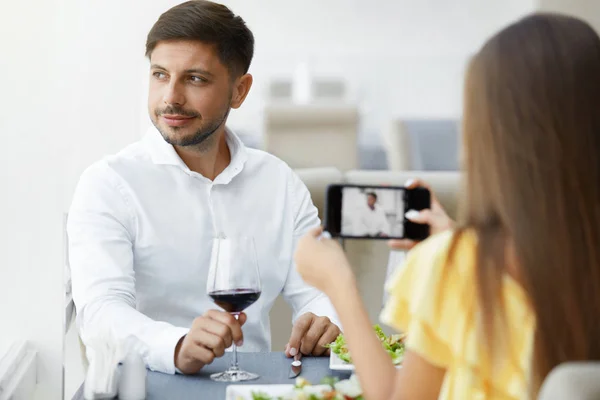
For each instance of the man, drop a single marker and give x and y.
(371, 219)
(142, 222)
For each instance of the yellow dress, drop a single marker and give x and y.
(435, 304)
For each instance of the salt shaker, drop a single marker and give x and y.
(132, 382)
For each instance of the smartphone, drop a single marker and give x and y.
(375, 212)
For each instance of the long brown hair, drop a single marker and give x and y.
(531, 130)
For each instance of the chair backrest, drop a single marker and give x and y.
(434, 144)
(69, 304)
(309, 136)
(397, 145)
(317, 180)
(572, 381)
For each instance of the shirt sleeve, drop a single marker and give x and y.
(101, 232)
(423, 301)
(300, 296)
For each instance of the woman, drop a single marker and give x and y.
(514, 290)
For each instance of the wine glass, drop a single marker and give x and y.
(233, 284)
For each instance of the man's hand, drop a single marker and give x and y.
(207, 339)
(310, 334)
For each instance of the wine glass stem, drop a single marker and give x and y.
(234, 359)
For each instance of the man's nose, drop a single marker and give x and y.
(174, 94)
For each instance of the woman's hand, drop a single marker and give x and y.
(435, 217)
(321, 262)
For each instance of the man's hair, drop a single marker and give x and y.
(210, 23)
(372, 194)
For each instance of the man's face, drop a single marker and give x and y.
(371, 200)
(190, 91)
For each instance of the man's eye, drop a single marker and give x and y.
(197, 79)
(159, 75)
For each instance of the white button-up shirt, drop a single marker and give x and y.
(141, 228)
(372, 221)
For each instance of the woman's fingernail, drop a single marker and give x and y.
(409, 182)
(325, 235)
(293, 352)
(411, 214)
(239, 343)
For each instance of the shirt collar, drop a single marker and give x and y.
(163, 153)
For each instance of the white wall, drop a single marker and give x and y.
(32, 148)
(589, 10)
(401, 58)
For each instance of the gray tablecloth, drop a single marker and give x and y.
(272, 368)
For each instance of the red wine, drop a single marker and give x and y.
(236, 300)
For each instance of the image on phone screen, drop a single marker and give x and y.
(372, 212)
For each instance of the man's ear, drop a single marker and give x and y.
(241, 87)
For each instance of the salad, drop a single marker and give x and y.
(330, 389)
(393, 344)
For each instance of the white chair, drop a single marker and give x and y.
(317, 180)
(573, 381)
(69, 304)
(308, 136)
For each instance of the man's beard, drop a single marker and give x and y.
(199, 137)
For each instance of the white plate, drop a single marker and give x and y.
(244, 392)
(337, 364)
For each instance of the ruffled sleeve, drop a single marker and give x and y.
(433, 299)
(428, 300)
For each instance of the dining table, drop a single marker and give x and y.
(273, 368)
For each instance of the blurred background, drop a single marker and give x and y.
(345, 84)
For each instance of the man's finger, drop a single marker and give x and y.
(299, 329)
(201, 354)
(242, 317)
(211, 341)
(216, 328)
(329, 336)
(234, 328)
(313, 335)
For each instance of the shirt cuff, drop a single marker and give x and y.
(162, 351)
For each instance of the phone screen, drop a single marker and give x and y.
(372, 212)
(375, 212)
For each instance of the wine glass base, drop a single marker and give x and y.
(233, 376)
